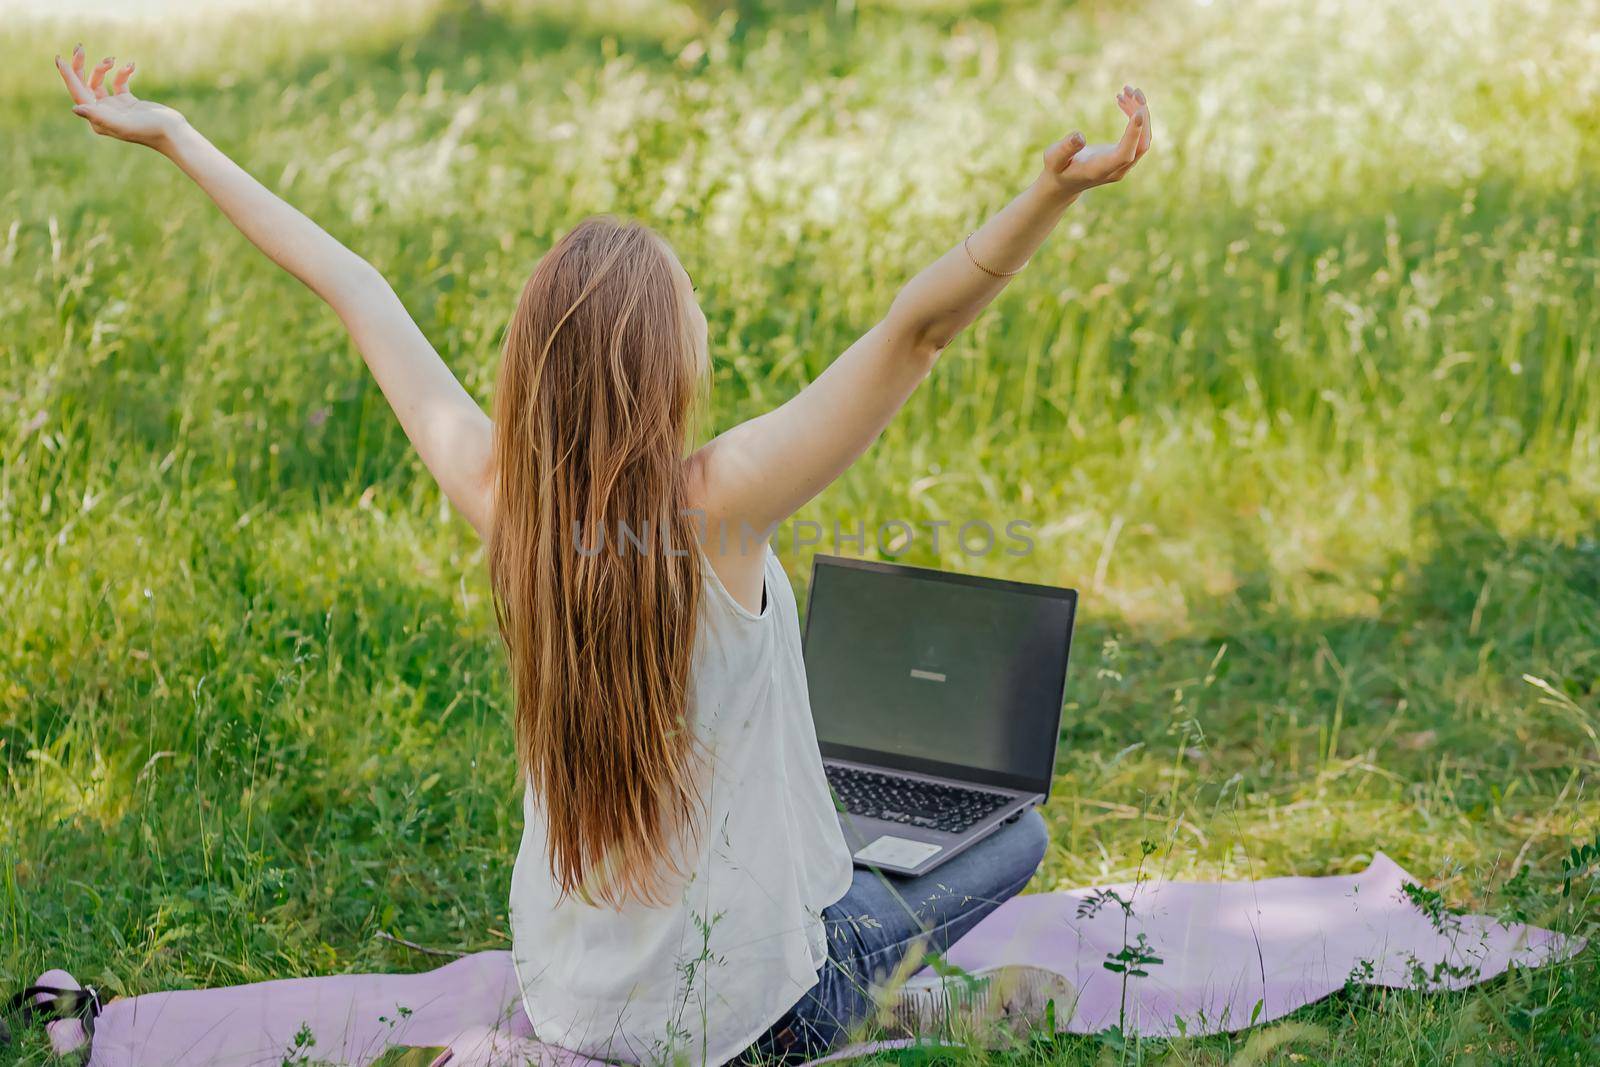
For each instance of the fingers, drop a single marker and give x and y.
(1144, 139)
(1135, 140)
(70, 73)
(1128, 101)
(1128, 146)
(97, 77)
(91, 86)
(1058, 155)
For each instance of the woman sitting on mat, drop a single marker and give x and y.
(683, 887)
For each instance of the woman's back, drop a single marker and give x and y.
(705, 974)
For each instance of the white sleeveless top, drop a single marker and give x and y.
(705, 976)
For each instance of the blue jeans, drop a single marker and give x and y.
(882, 916)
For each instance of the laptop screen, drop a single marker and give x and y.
(940, 673)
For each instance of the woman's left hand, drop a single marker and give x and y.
(1075, 167)
(111, 108)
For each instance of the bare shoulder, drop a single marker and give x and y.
(736, 552)
(714, 474)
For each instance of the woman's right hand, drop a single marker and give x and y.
(1074, 167)
(111, 109)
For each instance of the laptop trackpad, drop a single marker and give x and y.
(897, 851)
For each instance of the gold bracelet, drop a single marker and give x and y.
(967, 244)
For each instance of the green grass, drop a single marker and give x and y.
(1309, 410)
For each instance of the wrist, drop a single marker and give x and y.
(172, 135)
(1052, 190)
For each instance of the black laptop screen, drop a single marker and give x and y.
(934, 672)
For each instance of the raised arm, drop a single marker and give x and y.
(762, 471)
(448, 429)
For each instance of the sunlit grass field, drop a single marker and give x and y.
(1308, 410)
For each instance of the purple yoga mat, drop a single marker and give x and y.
(1232, 954)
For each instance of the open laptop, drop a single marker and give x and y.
(937, 699)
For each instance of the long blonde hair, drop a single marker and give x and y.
(592, 412)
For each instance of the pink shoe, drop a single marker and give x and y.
(68, 1008)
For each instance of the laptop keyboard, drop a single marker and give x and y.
(911, 801)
